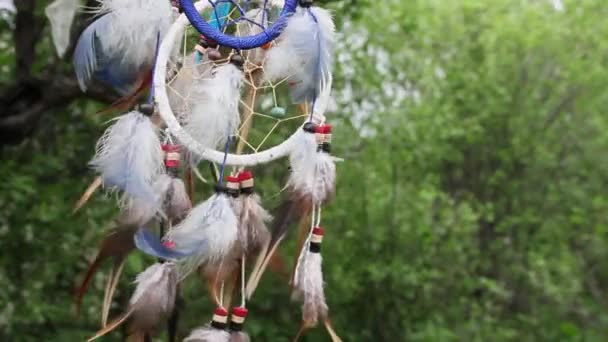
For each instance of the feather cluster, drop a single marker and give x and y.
(151, 303)
(176, 203)
(129, 158)
(313, 174)
(215, 106)
(304, 54)
(208, 334)
(309, 289)
(207, 234)
(120, 44)
(154, 297)
(239, 336)
(253, 233)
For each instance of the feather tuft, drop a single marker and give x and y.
(253, 233)
(215, 106)
(309, 289)
(313, 174)
(207, 234)
(304, 54)
(176, 203)
(154, 297)
(208, 334)
(129, 157)
(120, 44)
(239, 336)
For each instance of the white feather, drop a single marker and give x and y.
(304, 54)
(175, 201)
(129, 157)
(122, 41)
(208, 334)
(208, 233)
(313, 174)
(215, 106)
(309, 288)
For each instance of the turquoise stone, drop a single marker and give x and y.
(277, 112)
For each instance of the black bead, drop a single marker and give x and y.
(236, 327)
(314, 247)
(221, 189)
(233, 192)
(173, 171)
(203, 42)
(237, 60)
(218, 325)
(309, 127)
(326, 147)
(247, 191)
(146, 109)
(306, 3)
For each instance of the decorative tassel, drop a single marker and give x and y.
(309, 284)
(176, 204)
(207, 234)
(129, 158)
(221, 269)
(304, 54)
(117, 246)
(119, 47)
(253, 233)
(215, 105)
(215, 331)
(313, 173)
(239, 314)
(152, 302)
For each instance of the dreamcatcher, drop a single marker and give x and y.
(214, 98)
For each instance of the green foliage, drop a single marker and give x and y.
(471, 205)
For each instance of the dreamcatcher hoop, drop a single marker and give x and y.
(165, 50)
(239, 43)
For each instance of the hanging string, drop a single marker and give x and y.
(223, 167)
(305, 245)
(151, 93)
(221, 299)
(312, 108)
(243, 299)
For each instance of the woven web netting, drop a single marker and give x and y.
(266, 113)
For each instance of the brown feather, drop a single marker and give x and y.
(126, 102)
(112, 325)
(118, 244)
(87, 194)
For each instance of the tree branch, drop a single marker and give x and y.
(27, 32)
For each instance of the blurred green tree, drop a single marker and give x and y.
(471, 206)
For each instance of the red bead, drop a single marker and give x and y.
(318, 231)
(220, 311)
(245, 175)
(169, 244)
(327, 129)
(170, 148)
(172, 163)
(232, 179)
(240, 311)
